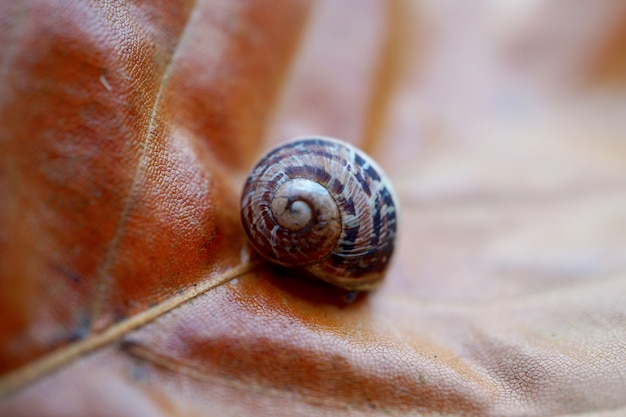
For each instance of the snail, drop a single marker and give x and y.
(325, 207)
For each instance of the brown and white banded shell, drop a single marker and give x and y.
(323, 206)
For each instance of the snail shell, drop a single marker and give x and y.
(323, 206)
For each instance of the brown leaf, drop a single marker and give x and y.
(127, 287)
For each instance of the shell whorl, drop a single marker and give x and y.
(324, 206)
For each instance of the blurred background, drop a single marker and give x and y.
(501, 123)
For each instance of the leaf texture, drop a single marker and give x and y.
(127, 287)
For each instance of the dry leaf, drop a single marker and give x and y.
(127, 287)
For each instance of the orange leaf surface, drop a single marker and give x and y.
(126, 283)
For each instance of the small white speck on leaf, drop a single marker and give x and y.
(105, 83)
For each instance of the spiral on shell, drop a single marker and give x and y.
(322, 206)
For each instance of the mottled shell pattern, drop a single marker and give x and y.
(323, 206)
